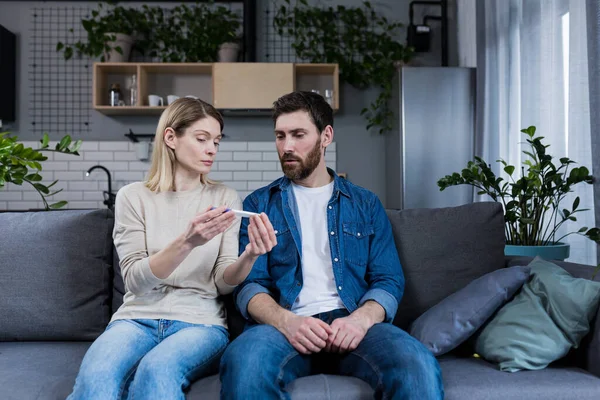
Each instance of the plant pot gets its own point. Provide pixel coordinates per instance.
(558, 251)
(123, 41)
(228, 52)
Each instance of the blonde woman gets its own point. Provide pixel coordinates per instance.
(177, 254)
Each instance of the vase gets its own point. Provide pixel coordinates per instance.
(125, 42)
(557, 251)
(228, 52)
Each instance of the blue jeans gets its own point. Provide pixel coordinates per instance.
(261, 362)
(148, 359)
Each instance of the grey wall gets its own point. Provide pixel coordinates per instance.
(360, 153)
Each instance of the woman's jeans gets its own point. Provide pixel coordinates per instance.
(149, 359)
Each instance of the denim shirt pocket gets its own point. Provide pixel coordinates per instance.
(285, 249)
(357, 237)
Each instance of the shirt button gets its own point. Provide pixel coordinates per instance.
(297, 283)
(330, 207)
(332, 233)
(335, 259)
(358, 234)
(276, 232)
(339, 288)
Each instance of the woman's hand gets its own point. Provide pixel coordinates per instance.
(261, 235)
(207, 225)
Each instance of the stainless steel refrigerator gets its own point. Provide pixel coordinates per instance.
(433, 136)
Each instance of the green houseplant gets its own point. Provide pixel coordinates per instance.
(189, 33)
(20, 164)
(362, 42)
(532, 202)
(110, 34)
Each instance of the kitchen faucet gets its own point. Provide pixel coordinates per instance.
(109, 196)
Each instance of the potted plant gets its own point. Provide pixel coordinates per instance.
(360, 40)
(195, 33)
(224, 27)
(532, 202)
(20, 164)
(110, 34)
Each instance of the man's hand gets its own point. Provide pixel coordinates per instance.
(349, 331)
(307, 334)
(347, 334)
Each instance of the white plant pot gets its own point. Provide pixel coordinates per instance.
(123, 41)
(228, 52)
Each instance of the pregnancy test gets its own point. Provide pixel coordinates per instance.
(240, 213)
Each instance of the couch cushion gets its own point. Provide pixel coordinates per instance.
(315, 387)
(549, 316)
(55, 274)
(444, 249)
(117, 281)
(39, 370)
(449, 323)
(475, 379)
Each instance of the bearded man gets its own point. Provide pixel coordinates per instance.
(324, 298)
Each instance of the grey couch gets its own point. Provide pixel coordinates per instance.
(60, 283)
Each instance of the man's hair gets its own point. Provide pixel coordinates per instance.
(314, 104)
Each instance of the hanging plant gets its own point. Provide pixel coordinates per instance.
(358, 39)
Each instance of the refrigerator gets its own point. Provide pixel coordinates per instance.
(433, 136)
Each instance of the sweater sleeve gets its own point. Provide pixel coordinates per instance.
(228, 250)
(129, 236)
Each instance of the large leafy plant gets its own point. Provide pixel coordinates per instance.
(101, 28)
(189, 33)
(532, 201)
(184, 33)
(361, 41)
(20, 164)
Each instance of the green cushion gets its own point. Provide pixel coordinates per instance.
(548, 317)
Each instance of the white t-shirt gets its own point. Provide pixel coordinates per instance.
(318, 293)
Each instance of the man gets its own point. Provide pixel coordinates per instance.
(330, 287)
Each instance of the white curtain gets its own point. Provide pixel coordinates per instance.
(533, 70)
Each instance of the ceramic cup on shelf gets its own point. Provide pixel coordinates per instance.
(171, 98)
(155, 100)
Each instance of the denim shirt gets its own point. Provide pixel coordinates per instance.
(365, 261)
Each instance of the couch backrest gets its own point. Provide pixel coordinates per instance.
(442, 250)
(55, 274)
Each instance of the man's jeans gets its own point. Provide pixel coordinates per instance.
(261, 362)
(148, 359)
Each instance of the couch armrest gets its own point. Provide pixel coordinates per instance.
(590, 345)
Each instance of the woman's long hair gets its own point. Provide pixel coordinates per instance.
(178, 116)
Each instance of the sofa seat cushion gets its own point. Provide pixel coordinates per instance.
(314, 387)
(476, 379)
(39, 370)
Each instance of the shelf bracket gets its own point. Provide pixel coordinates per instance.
(135, 136)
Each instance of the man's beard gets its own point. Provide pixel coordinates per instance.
(303, 168)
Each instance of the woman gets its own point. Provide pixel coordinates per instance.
(178, 250)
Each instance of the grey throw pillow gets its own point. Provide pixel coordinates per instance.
(449, 323)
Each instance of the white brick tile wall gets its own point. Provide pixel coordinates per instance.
(98, 156)
(247, 176)
(231, 166)
(245, 166)
(261, 146)
(113, 146)
(247, 156)
(263, 166)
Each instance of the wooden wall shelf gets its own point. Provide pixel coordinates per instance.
(228, 86)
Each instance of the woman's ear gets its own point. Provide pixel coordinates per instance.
(170, 138)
